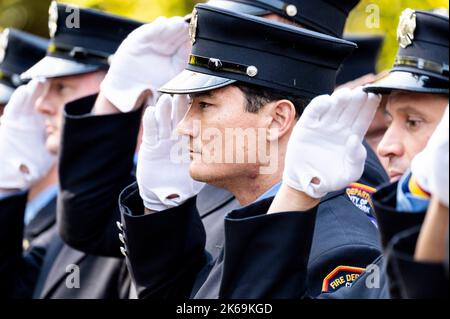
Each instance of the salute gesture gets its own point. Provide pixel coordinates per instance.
(325, 152)
(164, 181)
(24, 157)
(148, 58)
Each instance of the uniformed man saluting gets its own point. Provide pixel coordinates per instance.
(417, 97)
(74, 66)
(146, 60)
(248, 73)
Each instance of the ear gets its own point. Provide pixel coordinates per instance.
(281, 119)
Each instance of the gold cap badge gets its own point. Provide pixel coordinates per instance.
(3, 44)
(406, 28)
(53, 19)
(193, 26)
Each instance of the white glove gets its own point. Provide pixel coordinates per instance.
(24, 157)
(148, 58)
(325, 152)
(163, 163)
(431, 166)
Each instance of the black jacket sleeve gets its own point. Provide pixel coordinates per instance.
(165, 250)
(19, 270)
(266, 256)
(269, 256)
(390, 221)
(96, 163)
(399, 232)
(416, 280)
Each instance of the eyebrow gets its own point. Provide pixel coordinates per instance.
(405, 109)
(209, 94)
(410, 109)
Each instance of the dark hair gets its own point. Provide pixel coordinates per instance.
(258, 96)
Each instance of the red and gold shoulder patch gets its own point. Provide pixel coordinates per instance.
(361, 196)
(341, 276)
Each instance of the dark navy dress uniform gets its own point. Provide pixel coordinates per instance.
(286, 255)
(40, 271)
(94, 230)
(89, 225)
(421, 66)
(18, 52)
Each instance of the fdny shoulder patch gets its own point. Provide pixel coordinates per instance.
(360, 195)
(341, 276)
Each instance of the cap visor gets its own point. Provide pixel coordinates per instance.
(410, 82)
(238, 7)
(5, 93)
(188, 82)
(53, 67)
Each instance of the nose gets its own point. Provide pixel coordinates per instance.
(190, 124)
(391, 144)
(46, 104)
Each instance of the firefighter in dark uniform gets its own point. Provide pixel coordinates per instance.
(95, 230)
(244, 72)
(18, 52)
(417, 92)
(82, 41)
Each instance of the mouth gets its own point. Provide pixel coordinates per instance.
(394, 175)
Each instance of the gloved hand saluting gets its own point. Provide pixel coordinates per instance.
(24, 158)
(325, 152)
(163, 163)
(430, 167)
(149, 57)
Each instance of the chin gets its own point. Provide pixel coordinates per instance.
(53, 144)
(200, 172)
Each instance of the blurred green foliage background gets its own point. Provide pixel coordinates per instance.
(31, 15)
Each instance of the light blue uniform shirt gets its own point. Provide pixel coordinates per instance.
(39, 202)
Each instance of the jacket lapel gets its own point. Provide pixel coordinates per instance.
(44, 219)
(57, 270)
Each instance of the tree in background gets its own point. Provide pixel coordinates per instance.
(31, 15)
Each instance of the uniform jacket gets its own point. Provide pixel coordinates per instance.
(399, 231)
(287, 255)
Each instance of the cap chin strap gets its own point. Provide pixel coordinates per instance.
(79, 53)
(214, 64)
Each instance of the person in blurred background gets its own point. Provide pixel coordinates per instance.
(417, 97)
(18, 52)
(75, 64)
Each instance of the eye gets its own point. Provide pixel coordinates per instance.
(414, 123)
(60, 88)
(204, 105)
